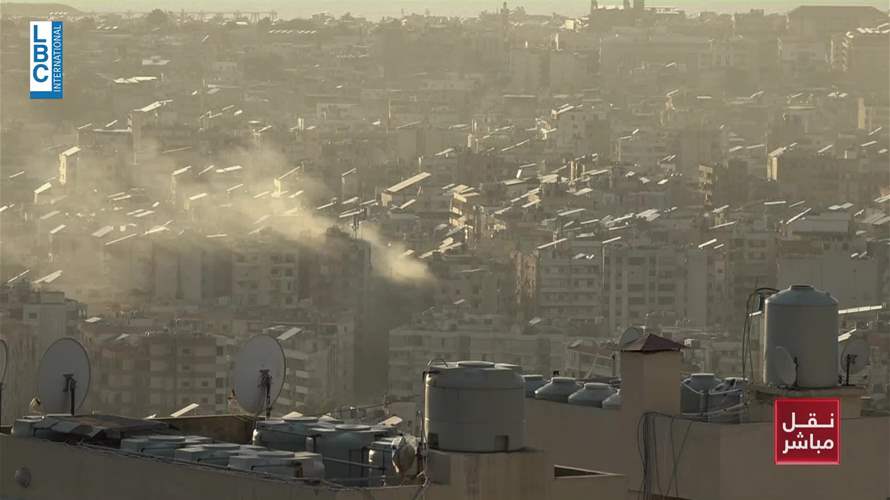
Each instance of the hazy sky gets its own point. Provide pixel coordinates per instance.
(378, 8)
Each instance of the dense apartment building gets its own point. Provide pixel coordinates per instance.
(158, 372)
(450, 333)
(320, 363)
(265, 272)
(562, 281)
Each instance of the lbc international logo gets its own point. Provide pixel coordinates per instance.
(46, 59)
(808, 431)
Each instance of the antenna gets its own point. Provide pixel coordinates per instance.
(784, 365)
(4, 358)
(63, 379)
(854, 356)
(259, 374)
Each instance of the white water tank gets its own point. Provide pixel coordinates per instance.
(613, 402)
(592, 394)
(804, 322)
(558, 389)
(474, 406)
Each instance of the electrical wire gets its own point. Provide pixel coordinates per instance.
(647, 450)
(423, 487)
(747, 356)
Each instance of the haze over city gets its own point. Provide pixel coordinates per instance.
(444, 250)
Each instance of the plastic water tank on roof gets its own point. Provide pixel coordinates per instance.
(558, 389)
(803, 322)
(613, 402)
(592, 394)
(345, 449)
(694, 390)
(474, 406)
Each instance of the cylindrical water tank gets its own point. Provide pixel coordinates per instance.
(804, 322)
(310, 464)
(271, 433)
(592, 394)
(163, 445)
(344, 450)
(281, 463)
(694, 392)
(532, 383)
(380, 458)
(613, 402)
(474, 406)
(558, 389)
(25, 426)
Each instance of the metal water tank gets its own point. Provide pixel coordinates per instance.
(558, 389)
(474, 406)
(592, 394)
(804, 322)
(532, 383)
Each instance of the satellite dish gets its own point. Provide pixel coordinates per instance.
(631, 335)
(784, 366)
(853, 357)
(259, 374)
(63, 379)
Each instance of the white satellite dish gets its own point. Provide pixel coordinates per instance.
(63, 379)
(784, 366)
(853, 357)
(259, 374)
(631, 335)
(4, 358)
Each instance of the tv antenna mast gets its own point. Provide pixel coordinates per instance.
(63, 379)
(259, 374)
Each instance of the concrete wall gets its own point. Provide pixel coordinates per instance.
(60, 471)
(523, 475)
(862, 473)
(718, 461)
